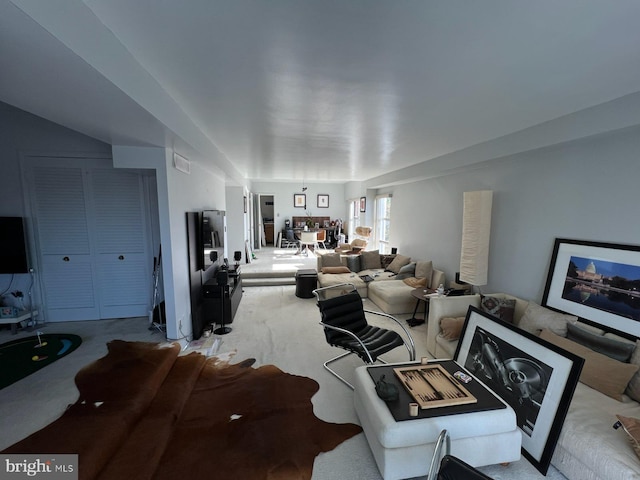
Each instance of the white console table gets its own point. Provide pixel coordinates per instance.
(14, 321)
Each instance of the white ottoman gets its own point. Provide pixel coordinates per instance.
(404, 449)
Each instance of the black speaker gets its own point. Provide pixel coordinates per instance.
(394, 250)
(222, 276)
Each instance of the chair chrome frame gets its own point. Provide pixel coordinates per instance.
(408, 342)
(442, 461)
(442, 443)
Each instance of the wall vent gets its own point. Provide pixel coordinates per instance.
(181, 163)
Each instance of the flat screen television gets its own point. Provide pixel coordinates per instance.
(213, 228)
(13, 246)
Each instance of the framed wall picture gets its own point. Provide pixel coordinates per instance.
(598, 282)
(363, 204)
(299, 200)
(323, 201)
(535, 377)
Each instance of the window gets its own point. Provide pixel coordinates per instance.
(354, 218)
(383, 222)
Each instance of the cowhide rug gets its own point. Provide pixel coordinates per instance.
(146, 413)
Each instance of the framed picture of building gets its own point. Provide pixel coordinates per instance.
(598, 282)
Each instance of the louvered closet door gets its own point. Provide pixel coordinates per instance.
(120, 243)
(67, 271)
(92, 236)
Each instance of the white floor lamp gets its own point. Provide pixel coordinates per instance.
(476, 230)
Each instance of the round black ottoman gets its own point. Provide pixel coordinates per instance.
(306, 283)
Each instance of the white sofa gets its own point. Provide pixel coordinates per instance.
(391, 295)
(588, 447)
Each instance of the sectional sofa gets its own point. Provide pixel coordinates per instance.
(588, 447)
(391, 277)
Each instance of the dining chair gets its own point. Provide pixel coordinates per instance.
(321, 238)
(307, 240)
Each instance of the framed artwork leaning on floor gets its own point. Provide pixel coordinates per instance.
(536, 378)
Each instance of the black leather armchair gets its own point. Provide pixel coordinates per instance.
(346, 327)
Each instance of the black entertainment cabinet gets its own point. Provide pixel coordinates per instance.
(221, 300)
(214, 290)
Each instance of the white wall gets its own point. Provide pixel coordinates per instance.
(202, 189)
(235, 221)
(584, 190)
(283, 200)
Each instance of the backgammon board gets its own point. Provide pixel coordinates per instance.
(432, 386)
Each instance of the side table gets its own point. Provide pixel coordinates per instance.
(14, 321)
(306, 282)
(421, 295)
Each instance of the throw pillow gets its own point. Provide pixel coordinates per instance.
(331, 260)
(451, 327)
(370, 260)
(536, 318)
(386, 260)
(633, 389)
(424, 269)
(335, 270)
(501, 308)
(600, 372)
(631, 427)
(353, 262)
(591, 328)
(615, 349)
(415, 282)
(407, 271)
(399, 262)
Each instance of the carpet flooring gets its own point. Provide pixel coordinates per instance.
(274, 327)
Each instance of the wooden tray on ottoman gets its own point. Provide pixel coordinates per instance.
(432, 386)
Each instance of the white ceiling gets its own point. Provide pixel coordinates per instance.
(314, 90)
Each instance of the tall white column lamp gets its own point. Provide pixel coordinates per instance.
(476, 230)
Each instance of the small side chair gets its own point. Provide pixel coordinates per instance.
(345, 326)
(289, 239)
(445, 466)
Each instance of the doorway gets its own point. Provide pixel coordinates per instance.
(266, 219)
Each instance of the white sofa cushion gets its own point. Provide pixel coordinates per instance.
(331, 279)
(424, 269)
(588, 448)
(536, 318)
(399, 262)
(392, 296)
(370, 260)
(330, 260)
